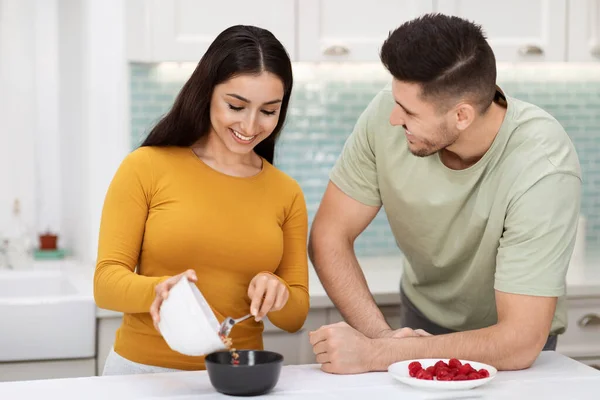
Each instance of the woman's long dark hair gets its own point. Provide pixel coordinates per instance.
(238, 50)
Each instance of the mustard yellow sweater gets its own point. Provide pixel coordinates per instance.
(167, 211)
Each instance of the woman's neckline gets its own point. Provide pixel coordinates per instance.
(216, 171)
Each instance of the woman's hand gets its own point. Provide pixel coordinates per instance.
(162, 292)
(271, 289)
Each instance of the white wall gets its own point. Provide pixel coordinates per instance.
(47, 131)
(17, 110)
(74, 140)
(93, 113)
(63, 113)
(106, 115)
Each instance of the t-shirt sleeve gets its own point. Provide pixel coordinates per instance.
(355, 171)
(539, 237)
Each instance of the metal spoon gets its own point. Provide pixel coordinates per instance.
(229, 322)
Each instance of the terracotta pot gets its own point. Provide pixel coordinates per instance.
(48, 241)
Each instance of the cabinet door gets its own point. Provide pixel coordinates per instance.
(138, 30)
(533, 30)
(55, 369)
(107, 330)
(182, 30)
(584, 30)
(341, 30)
(295, 347)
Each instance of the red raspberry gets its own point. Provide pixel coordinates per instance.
(414, 366)
(484, 373)
(431, 370)
(473, 376)
(447, 377)
(427, 376)
(440, 364)
(454, 363)
(420, 374)
(466, 369)
(443, 372)
(460, 377)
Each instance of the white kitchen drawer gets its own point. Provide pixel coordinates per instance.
(582, 338)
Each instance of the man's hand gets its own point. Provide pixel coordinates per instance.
(341, 349)
(402, 333)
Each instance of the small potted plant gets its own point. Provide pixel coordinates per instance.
(48, 241)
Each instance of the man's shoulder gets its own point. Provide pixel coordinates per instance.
(540, 139)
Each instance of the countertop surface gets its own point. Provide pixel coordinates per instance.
(553, 376)
(383, 277)
(382, 274)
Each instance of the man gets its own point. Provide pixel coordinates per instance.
(482, 193)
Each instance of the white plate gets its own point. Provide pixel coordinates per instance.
(399, 371)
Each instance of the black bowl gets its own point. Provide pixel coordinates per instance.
(256, 374)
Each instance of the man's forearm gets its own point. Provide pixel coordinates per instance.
(498, 346)
(343, 280)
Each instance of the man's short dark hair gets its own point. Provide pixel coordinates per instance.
(448, 56)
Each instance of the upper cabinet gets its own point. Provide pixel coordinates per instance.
(584, 31)
(342, 30)
(182, 30)
(517, 30)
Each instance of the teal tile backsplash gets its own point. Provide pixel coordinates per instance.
(328, 98)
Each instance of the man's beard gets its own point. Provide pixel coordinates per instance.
(446, 139)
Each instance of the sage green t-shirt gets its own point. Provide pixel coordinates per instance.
(506, 223)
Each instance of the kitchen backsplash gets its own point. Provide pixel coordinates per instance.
(328, 98)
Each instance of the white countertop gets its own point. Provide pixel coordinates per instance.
(383, 276)
(553, 376)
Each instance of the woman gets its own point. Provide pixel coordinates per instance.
(201, 200)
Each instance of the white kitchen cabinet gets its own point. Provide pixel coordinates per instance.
(582, 338)
(584, 30)
(581, 341)
(533, 30)
(182, 30)
(35, 370)
(295, 347)
(341, 30)
(107, 328)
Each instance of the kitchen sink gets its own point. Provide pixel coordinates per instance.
(45, 315)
